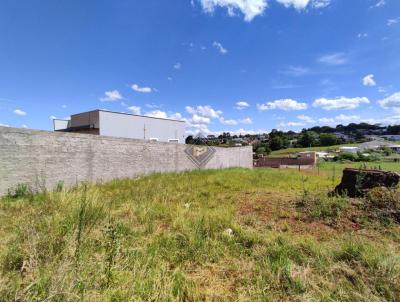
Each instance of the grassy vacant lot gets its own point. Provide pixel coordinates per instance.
(332, 167)
(288, 151)
(231, 235)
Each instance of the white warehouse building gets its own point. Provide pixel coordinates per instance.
(117, 124)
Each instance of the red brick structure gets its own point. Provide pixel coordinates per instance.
(304, 160)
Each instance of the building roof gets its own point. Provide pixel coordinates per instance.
(124, 113)
(374, 144)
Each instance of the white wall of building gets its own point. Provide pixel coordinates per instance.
(60, 124)
(140, 127)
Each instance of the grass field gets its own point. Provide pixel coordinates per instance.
(338, 166)
(289, 151)
(228, 235)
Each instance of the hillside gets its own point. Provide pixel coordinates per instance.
(228, 235)
(288, 151)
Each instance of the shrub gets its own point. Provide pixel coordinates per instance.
(346, 157)
(21, 190)
(384, 204)
(320, 206)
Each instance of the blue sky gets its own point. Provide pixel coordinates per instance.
(222, 65)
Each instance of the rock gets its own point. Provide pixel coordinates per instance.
(228, 232)
(357, 182)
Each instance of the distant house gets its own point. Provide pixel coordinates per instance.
(108, 123)
(324, 155)
(394, 137)
(342, 136)
(395, 148)
(349, 149)
(238, 140)
(375, 145)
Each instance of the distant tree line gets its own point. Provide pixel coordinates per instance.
(311, 137)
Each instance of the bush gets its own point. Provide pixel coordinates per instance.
(384, 204)
(346, 157)
(320, 206)
(359, 157)
(21, 190)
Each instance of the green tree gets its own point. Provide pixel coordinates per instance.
(308, 139)
(277, 142)
(189, 140)
(327, 139)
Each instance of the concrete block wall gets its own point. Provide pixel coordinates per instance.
(43, 159)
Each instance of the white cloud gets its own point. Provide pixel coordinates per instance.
(154, 106)
(135, 110)
(196, 119)
(369, 80)
(327, 121)
(24, 126)
(306, 119)
(19, 112)
(227, 122)
(380, 3)
(392, 101)
(391, 120)
(4, 125)
(206, 111)
(362, 35)
(302, 4)
(295, 71)
(246, 120)
(340, 103)
(347, 118)
(177, 66)
(291, 124)
(63, 106)
(320, 3)
(297, 4)
(195, 129)
(52, 117)
(284, 104)
(334, 59)
(164, 115)
(249, 8)
(201, 117)
(391, 22)
(242, 105)
(253, 8)
(340, 119)
(176, 116)
(137, 88)
(220, 48)
(232, 122)
(111, 96)
(303, 121)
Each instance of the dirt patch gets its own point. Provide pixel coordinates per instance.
(278, 212)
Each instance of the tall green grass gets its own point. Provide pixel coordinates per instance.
(198, 236)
